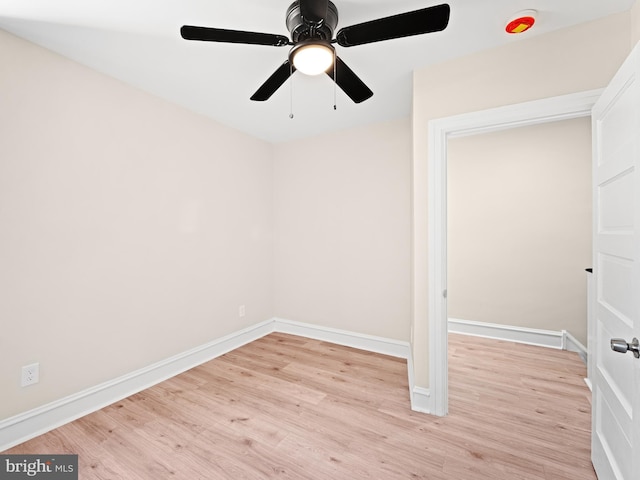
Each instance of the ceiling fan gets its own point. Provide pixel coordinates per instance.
(311, 24)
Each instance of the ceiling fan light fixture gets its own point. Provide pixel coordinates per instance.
(312, 58)
(311, 24)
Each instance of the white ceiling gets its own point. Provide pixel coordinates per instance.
(138, 41)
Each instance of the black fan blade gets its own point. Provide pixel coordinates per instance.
(314, 11)
(427, 20)
(207, 34)
(349, 82)
(274, 82)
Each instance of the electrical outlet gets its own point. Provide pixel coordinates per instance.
(30, 374)
(241, 311)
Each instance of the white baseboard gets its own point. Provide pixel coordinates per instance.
(27, 425)
(561, 340)
(421, 400)
(530, 336)
(420, 397)
(572, 344)
(385, 346)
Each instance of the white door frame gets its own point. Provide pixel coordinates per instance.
(553, 109)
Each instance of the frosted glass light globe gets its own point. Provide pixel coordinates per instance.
(313, 59)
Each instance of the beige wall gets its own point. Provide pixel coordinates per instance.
(571, 60)
(635, 24)
(131, 229)
(342, 252)
(519, 226)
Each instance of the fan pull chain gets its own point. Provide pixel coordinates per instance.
(291, 91)
(335, 82)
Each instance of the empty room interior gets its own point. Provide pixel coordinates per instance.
(196, 284)
(513, 256)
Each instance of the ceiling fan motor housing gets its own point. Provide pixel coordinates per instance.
(301, 30)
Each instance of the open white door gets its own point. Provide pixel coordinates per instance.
(616, 269)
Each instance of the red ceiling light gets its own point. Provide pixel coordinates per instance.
(521, 22)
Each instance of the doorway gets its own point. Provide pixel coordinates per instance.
(519, 220)
(440, 131)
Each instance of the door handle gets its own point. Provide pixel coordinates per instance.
(621, 346)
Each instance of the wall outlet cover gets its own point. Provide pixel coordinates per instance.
(30, 374)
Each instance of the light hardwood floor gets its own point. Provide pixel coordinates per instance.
(290, 407)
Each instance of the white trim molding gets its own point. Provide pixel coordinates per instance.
(553, 109)
(385, 346)
(530, 336)
(558, 339)
(27, 425)
(572, 344)
(420, 397)
(421, 400)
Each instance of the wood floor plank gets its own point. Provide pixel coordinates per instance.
(289, 407)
